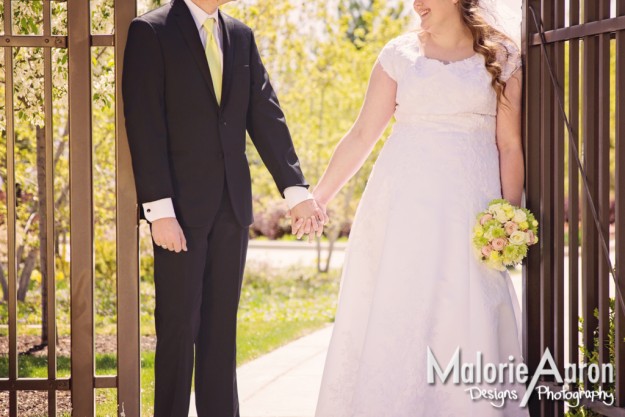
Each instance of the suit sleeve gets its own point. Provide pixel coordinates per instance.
(267, 127)
(144, 110)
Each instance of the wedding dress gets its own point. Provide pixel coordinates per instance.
(410, 279)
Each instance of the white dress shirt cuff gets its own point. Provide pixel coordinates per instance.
(158, 209)
(296, 194)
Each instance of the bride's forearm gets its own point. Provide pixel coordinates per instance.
(512, 175)
(349, 155)
(356, 145)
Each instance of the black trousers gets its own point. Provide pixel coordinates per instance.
(197, 297)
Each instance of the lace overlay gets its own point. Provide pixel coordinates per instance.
(410, 279)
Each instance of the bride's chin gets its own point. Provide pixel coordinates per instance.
(423, 22)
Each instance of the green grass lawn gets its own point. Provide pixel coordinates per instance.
(277, 306)
(254, 341)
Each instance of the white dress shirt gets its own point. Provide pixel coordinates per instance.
(158, 209)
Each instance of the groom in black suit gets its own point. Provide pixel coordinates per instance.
(193, 83)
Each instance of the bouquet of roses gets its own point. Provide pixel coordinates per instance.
(503, 234)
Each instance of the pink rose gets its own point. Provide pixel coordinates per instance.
(531, 239)
(486, 250)
(499, 243)
(486, 218)
(511, 227)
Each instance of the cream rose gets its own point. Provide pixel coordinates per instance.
(517, 238)
(494, 207)
(519, 216)
(501, 215)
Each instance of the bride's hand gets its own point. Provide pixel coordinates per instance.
(323, 204)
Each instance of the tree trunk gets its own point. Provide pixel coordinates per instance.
(22, 287)
(5, 286)
(333, 235)
(27, 272)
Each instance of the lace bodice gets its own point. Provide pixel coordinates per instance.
(427, 86)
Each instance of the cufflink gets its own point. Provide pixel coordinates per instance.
(149, 210)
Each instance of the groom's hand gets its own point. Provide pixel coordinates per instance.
(168, 234)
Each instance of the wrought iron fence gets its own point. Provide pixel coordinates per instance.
(584, 43)
(79, 42)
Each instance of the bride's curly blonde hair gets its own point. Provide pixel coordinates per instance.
(487, 41)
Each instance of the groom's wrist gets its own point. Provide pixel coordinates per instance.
(296, 194)
(158, 209)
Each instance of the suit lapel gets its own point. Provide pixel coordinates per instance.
(228, 51)
(186, 24)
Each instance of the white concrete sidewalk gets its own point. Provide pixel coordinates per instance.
(285, 382)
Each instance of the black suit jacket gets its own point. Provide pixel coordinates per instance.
(182, 142)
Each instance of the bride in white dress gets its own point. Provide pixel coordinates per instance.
(410, 279)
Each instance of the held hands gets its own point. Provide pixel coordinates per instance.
(308, 217)
(167, 233)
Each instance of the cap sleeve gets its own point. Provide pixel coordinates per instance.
(393, 57)
(509, 59)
